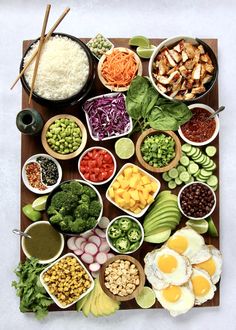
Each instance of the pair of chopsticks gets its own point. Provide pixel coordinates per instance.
(37, 51)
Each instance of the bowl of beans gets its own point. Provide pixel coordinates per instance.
(64, 136)
(199, 131)
(196, 200)
(158, 151)
(41, 173)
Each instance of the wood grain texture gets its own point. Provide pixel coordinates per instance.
(32, 144)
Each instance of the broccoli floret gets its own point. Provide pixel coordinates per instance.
(90, 192)
(91, 222)
(65, 224)
(95, 208)
(56, 218)
(82, 211)
(84, 199)
(74, 187)
(64, 201)
(51, 210)
(78, 226)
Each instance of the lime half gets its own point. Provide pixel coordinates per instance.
(201, 226)
(39, 203)
(124, 148)
(146, 298)
(139, 41)
(144, 52)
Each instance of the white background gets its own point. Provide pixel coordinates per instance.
(118, 18)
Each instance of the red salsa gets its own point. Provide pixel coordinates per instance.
(198, 129)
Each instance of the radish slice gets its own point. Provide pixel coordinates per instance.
(104, 247)
(71, 243)
(94, 267)
(78, 252)
(87, 258)
(91, 248)
(82, 246)
(101, 258)
(79, 241)
(95, 274)
(104, 222)
(100, 233)
(95, 239)
(88, 234)
(110, 255)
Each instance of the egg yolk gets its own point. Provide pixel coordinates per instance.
(172, 293)
(178, 243)
(209, 266)
(167, 263)
(201, 285)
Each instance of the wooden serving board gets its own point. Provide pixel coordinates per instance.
(31, 145)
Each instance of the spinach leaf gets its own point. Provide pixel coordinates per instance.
(159, 119)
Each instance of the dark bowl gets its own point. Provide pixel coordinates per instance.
(74, 99)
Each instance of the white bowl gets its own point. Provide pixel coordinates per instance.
(210, 110)
(179, 205)
(139, 215)
(52, 296)
(95, 138)
(114, 162)
(29, 255)
(49, 188)
(111, 223)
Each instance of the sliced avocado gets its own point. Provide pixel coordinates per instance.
(158, 238)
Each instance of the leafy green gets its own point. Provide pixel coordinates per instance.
(147, 108)
(33, 296)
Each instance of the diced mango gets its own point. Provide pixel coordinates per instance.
(126, 196)
(120, 201)
(135, 169)
(137, 210)
(111, 193)
(148, 187)
(134, 194)
(131, 202)
(154, 186)
(120, 191)
(124, 184)
(128, 172)
(145, 194)
(133, 181)
(145, 179)
(116, 185)
(120, 178)
(150, 199)
(142, 199)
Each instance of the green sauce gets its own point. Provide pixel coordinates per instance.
(45, 241)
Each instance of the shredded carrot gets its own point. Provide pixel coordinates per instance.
(119, 68)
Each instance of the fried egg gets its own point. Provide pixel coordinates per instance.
(213, 265)
(176, 299)
(190, 244)
(202, 286)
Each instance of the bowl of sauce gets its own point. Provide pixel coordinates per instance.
(198, 131)
(45, 243)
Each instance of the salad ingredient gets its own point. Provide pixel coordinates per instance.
(75, 208)
(67, 280)
(107, 116)
(146, 298)
(71, 243)
(33, 174)
(49, 169)
(91, 248)
(64, 136)
(33, 297)
(97, 165)
(100, 233)
(39, 203)
(122, 244)
(101, 258)
(145, 52)
(160, 236)
(99, 45)
(139, 41)
(104, 222)
(87, 258)
(212, 230)
(211, 151)
(147, 108)
(200, 226)
(158, 150)
(124, 148)
(95, 240)
(30, 213)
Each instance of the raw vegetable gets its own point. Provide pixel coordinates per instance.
(99, 45)
(30, 213)
(211, 151)
(122, 244)
(148, 108)
(107, 116)
(104, 222)
(33, 297)
(212, 230)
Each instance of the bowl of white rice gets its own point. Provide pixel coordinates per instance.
(65, 73)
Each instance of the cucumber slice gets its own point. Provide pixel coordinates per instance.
(201, 159)
(192, 151)
(181, 168)
(215, 187)
(190, 180)
(200, 180)
(212, 228)
(184, 160)
(166, 177)
(184, 176)
(178, 181)
(210, 168)
(211, 151)
(196, 174)
(212, 181)
(193, 168)
(172, 184)
(197, 154)
(186, 147)
(207, 161)
(205, 174)
(173, 173)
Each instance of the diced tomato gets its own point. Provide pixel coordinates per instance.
(87, 176)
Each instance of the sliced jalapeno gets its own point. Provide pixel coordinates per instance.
(114, 231)
(134, 235)
(134, 246)
(122, 244)
(125, 223)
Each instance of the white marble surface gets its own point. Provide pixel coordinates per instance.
(119, 18)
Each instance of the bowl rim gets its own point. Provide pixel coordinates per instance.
(102, 59)
(194, 40)
(174, 161)
(73, 99)
(192, 183)
(214, 135)
(42, 262)
(55, 262)
(139, 215)
(56, 154)
(114, 162)
(119, 217)
(94, 138)
(26, 181)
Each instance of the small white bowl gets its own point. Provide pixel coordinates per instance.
(139, 215)
(114, 162)
(52, 296)
(32, 159)
(111, 223)
(95, 138)
(210, 110)
(179, 205)
(43, 262)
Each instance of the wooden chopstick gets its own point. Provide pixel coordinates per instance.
(53, 28)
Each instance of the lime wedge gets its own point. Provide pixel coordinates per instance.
(146, 298)
(124, 148)
(200, 226)
(144, 52)
(212, 228)
(39, 203)
(139, 41)
(30, 213)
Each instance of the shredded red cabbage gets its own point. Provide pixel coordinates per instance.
(107, 116)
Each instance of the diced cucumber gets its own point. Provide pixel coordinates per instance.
(212, 181)
(211, 151)
(166, 177)
(193, 168)
(181, 168)
(184, 176)
(172, 184)
(178, 181)
(184, 160)
(173, 173)
(186, 147)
